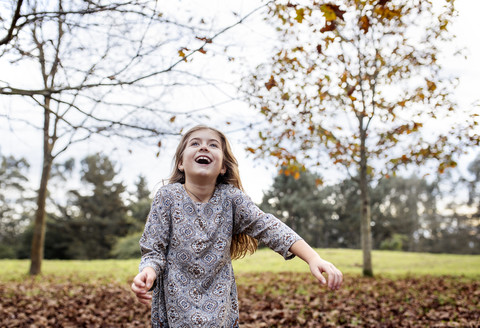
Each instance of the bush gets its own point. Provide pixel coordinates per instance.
(127, 247)
(7, 252)
(394, 243)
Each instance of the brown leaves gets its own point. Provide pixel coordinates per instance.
(296, 300)
(364, 24)
(329, 26)
(271, 83)
(67, 305)
(331, 11)
(266, 300)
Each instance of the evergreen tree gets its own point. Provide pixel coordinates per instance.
(14, 205)
(140, 206)
(102, 214)
(401, 208)
(296, 200)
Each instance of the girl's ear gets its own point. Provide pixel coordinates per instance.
(180, 167)
(223, 170)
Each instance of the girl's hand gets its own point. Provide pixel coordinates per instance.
(142, 284)
(318, 266)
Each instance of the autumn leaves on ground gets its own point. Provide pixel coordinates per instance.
(267, 299)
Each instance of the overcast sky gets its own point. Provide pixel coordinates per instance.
(256, 176)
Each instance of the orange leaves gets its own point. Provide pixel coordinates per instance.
(387, 13)
(205, 39)
(251, 150)
(290, 172)
(364, 24)
(444, 165)
(329, 26)
(300, 15)
(431, 85)
(331, 12)
(271, 83)
(181, 52)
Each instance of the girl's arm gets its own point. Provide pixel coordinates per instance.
(153, 245)
(318, 265)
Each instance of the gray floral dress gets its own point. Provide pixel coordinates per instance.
(188, 245)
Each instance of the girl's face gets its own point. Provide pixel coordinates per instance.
(203, 156)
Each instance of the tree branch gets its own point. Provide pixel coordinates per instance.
(15, 18)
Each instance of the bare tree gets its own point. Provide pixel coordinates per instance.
(90, 68)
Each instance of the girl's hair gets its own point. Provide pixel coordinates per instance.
(241, 243)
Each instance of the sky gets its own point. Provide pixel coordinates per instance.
(257, 176)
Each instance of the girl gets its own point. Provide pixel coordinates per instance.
(198, 223)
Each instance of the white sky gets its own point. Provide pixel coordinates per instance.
(256, 176)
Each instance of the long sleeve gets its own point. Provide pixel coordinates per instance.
(156, 236)
(251, 220)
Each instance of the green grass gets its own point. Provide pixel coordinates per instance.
(384, 262)
(347, 260)
(76, 271)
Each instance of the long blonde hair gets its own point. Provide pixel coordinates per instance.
(242, 244)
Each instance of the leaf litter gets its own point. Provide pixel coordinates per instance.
(266, 300)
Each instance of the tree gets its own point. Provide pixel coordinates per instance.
(474, 186)
(13, 203)
(98, 69)
(298, 203)
(10, 28)
(359, 84)
(139, 207)
(102, 214)
(401, 209)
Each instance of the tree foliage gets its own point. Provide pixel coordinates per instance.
(358, 84)
(14, 203)
(406, 215)
(102, 214)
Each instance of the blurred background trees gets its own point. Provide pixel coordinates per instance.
(408, 214)
(102, 219)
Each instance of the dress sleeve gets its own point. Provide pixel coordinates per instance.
(156, 236)
(266, 228)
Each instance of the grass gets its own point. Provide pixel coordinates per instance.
(347, 260)
(76, 271)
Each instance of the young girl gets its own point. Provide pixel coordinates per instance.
(198, 223)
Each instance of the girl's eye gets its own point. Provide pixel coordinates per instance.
(194, 143)
(214, 145)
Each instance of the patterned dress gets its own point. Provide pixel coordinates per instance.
(188, 245)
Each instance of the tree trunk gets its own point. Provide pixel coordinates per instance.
(366, 231)
(38, 239)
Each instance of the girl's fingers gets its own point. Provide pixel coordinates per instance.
(144, 296)
(137, 289)
(337, 279)
(139, 280)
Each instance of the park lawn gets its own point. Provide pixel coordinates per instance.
(385, 263)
